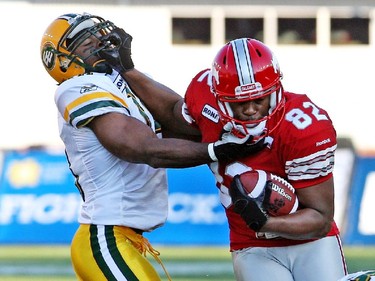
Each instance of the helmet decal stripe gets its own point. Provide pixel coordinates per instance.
(243, 61)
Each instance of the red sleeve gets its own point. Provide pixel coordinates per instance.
(197, 87)
(201, 107)
(310, 142)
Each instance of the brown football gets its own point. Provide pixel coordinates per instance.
(282, 199)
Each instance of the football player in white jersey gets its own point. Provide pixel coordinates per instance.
(115, 150)
(243, 89)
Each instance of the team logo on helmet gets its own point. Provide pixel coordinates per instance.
(253, 90)
(48, 56)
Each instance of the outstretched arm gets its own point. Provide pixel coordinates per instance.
(164, 104)
(131, 140)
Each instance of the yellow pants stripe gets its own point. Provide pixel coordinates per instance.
(111, 247)
(113, 253)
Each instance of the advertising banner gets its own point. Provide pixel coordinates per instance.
(38, 199)
(196, 216)
(360, 224)
(39, 202)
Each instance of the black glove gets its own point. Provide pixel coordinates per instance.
(250, 209)
(117, 50)
(231, 147)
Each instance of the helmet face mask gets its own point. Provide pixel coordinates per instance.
(245, 70)
(63, 37)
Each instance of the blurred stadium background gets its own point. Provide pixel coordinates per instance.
(326, 51)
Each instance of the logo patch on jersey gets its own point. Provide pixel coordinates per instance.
(120, 83)
(86, 89)
(319, 143)
(211, 113)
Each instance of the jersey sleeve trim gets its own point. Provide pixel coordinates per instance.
(85, 104)
(312, 166)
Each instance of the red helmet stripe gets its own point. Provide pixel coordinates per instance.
(243, 61)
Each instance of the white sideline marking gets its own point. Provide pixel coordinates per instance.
(174, 268)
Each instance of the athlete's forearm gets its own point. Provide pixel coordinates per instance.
(158, 98)
(304, 224)
(163, 103)
(175, 153)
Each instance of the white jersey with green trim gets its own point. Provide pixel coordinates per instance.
(115, 192)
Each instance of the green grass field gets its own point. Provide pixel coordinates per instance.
(52, 263)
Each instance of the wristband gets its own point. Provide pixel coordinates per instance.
(211, 152)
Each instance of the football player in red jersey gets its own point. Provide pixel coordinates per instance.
(243, 90)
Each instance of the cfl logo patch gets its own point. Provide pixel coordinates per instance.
(48, 56)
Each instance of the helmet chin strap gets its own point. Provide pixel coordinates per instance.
(255, 130)
(100, 66)
(275, 98)
(258, 129)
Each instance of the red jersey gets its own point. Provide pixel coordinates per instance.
(300, 149)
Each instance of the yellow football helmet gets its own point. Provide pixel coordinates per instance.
(61, 39)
